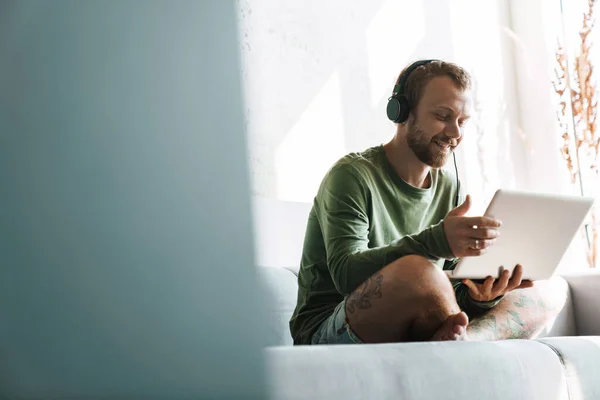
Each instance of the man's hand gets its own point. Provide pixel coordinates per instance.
(469, 236)
(492, 288)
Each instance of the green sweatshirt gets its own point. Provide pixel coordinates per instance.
(364, 217)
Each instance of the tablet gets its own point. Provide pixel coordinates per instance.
(536, 231)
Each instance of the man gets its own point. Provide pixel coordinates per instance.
(386, 221)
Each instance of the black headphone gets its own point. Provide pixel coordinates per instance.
(398, 109)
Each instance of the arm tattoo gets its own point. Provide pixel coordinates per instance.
(365, 293)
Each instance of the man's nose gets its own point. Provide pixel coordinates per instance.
(453, 131)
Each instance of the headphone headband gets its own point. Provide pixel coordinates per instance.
(401, 86)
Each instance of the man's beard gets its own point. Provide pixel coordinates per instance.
(426, 150)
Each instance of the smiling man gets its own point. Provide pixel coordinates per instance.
(386, 222)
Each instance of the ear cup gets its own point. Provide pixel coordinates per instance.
(404, 109)
(397, 109)
(393, 108)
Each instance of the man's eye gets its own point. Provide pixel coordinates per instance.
(442, 117)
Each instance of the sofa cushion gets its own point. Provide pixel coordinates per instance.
(281, 287)
(515, 369)
(584, 288)
(579, 356)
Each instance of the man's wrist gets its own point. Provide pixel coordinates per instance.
(484, 305)
(441, 241)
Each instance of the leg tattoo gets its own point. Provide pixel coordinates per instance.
(522, 314)
(485, 326)
(365, 293)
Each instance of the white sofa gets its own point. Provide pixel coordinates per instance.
(564, 363)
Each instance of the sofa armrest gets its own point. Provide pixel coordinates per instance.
(585, 290)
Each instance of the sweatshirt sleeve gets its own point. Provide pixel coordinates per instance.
(342, 213)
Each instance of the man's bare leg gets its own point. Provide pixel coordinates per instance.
(522, 313)
(409, 300)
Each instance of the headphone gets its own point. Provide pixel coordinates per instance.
(398, 109)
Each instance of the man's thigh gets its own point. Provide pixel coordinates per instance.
(335, 329)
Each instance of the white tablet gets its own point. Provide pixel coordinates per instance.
(536, 231)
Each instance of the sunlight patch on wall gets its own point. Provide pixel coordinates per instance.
(311, 147)
(390, 43)
(486, 149)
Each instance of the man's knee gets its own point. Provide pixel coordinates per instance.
(420, 273)
(431, 298)
(554, 293)
(428, 284)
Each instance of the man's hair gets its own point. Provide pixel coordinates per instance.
(420, 77)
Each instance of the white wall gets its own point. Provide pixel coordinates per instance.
(317, 76)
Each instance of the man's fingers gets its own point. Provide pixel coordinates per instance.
(525, 285)
(488, 284)
(473, 247)
(482, 222)
(516, 278)
(481, 243)
(483, 233)
(472, 285)
(502, 282)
